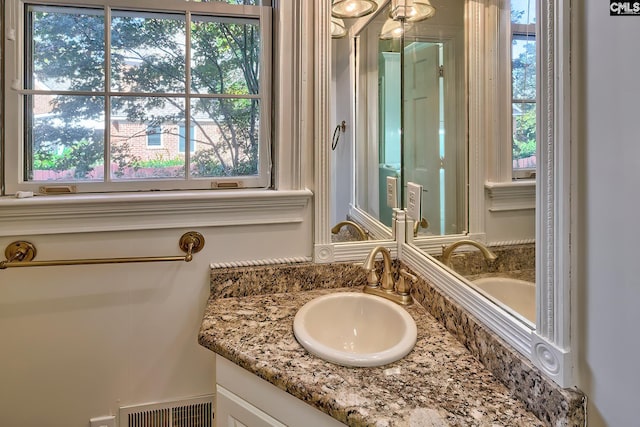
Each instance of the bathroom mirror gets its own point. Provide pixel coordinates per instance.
(354, 145)
(502, 159)
(385, 136)
(410, 122)
(419, 137)
(547, 343)
(521, 215)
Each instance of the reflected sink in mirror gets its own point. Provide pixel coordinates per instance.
(519, 295)
(355, 329)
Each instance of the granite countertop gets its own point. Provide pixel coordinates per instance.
(439, 383)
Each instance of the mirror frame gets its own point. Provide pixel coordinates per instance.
(324, 249)
(548, 346)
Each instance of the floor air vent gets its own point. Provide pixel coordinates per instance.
(196, 412)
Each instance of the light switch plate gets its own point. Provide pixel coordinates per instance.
(414, 196)
(392, 191)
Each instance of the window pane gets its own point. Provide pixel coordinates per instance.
(524, 135)
(147, 52)
(227, 137)
(123, 117)
(154, 136)
(67, 49)
(63, 141)
(225, 56)
(523, 83)
(182, 135)
(131, 157)
(523, 11)
(523, 67)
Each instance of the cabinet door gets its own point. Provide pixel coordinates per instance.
(232, 411)
(239, 389)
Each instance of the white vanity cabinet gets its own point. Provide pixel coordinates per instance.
(243, 399)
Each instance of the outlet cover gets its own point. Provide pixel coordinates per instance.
(392, 191)
(414, 200)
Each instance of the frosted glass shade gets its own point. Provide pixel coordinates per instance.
(338, 29)
(352, 8)
(411, 10)
(421, 10)
(391, 30)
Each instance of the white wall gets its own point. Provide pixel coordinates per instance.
(342, 157)
(608, 288)
(80, 341)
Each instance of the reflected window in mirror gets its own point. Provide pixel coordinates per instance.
(523, 87)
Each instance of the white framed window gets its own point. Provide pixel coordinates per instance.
(523, 87)
(512, 145)
(154, 137)
(87, 79)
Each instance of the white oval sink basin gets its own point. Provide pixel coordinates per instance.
(518, 294)
(355, 329)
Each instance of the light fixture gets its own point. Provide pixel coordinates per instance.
(411, 10)
(391, 29)
(352, 8)
(338, 29)
(422, 9)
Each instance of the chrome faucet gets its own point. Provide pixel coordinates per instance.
(400, 292)
(447, 251)
(362, 234)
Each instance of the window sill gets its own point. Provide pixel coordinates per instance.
(145, 211)
(511, 196)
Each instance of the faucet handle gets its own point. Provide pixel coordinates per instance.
(402, 287)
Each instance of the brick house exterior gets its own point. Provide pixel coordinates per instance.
(166, 142)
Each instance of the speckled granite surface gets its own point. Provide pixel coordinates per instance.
(249, 318)
(438, 377)
(271, 279)
(554, 405)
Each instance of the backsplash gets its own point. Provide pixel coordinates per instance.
(279, 278)
(517, 261)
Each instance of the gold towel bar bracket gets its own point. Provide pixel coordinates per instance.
(21, 253)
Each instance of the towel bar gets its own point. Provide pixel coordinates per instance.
(21, 253)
